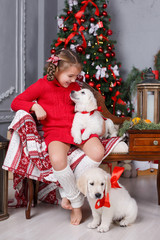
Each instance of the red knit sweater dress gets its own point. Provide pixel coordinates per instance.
(56, 101)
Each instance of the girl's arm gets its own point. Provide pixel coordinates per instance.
(39, 111)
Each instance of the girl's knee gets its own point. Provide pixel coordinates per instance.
(58, 162)
(98, 153)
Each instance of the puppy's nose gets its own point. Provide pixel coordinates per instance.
(98, 195)
(72, 92)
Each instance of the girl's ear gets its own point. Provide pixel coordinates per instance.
(82, 184)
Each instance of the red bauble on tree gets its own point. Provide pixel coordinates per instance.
(112, 54)
(104, 13)
(53, 51)
(109, 47)
(91, 83)
(109, 32)
(107, 54)
(100, 50)
(92, 19)
(79, 49)
(110, 89)
(69, 12)
(87, 76)
(65, 29)
(118, 83)
(104, 5)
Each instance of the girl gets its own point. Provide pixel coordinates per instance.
(55, 110)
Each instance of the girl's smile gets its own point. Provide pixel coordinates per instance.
(67, 76)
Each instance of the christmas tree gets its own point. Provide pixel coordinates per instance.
(84, 27)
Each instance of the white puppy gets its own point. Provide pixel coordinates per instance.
(88, 117)
(94, 183)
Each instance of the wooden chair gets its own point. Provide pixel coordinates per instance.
(145, 151)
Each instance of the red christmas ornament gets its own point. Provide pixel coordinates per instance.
(120, 79)
(94, 75)
(75, 25)
(87, 76)
(109, 32)
(112, 54)
(104, 13)
(110, 89)
(65, 29)
(107, 54)
(91, 83)
(82, 20)
(100, 50)
(85, 62)
(92, 19)
(72, 41)
(104, 5)
(96, 57)
(69, 12)
(109, 47)
(53, 51)
(118, 83)
(79, 49)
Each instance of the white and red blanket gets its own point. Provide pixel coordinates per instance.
(27, 158)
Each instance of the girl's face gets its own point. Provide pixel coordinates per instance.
(67, 76)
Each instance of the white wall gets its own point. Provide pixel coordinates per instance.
(135, 26)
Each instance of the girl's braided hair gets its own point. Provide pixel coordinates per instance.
(67, 58)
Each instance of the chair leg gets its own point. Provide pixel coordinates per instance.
(36, 187)
(158, 183)
(29, 204)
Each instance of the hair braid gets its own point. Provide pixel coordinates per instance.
(67, 58)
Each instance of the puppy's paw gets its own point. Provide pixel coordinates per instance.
(85, 136)
(103, 228)
(77, 140)
(93, 225)
(123, 223)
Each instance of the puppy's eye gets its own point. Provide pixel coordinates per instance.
(92, 183)
(83, 92)
(102, 184)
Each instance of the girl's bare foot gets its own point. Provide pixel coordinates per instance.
(66, 204)
(76, 216)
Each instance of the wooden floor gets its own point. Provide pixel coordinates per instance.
(50, 222)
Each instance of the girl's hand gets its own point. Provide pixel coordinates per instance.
(39, 111)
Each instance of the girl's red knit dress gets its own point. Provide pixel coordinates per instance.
(56, 101)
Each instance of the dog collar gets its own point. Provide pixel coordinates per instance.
(104, 202)
(99, 109)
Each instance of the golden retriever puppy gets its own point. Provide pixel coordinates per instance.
(107, 203)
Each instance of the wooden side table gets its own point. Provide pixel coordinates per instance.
(144, 145)
(3, 181)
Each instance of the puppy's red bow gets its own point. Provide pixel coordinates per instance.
(104, 202)
(98, 109)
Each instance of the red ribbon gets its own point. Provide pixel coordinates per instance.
(90, 113)
(79, 14)
(104, 202)
(59, 41)
(115, 100)
(98, 88)
(109, 68)
(76, 33)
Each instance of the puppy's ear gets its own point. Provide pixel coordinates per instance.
(108, 182)
(82, 184)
